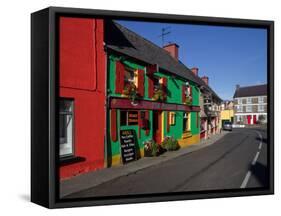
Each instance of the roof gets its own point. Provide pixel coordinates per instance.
(122, 40)
(248, 91)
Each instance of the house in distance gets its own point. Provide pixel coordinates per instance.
(250, 104)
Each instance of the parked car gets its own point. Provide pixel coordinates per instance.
(227, 125)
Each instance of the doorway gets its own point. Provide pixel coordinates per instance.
(249, 117)
(157, 126)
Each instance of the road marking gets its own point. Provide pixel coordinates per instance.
(249, 173)
(246, 179)
(260, 145)
(255, 159)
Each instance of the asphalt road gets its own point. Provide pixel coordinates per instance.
(238, 160)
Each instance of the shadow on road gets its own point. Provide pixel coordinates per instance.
(260, 172)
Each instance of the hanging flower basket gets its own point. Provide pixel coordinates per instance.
(159, 95)
(130, 91)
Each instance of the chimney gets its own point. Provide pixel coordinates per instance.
(195, 71)
(237, 86)
(205, 79)
(173, 49)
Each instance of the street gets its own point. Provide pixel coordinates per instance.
(238, 160)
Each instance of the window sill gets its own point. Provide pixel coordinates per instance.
(70, 160)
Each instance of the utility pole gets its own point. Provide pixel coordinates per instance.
(164, 31)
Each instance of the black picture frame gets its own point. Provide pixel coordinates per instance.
(44, 89)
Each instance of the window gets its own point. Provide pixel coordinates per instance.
(123, 118)
(157, 83)
(186, 122)
(172, 118)
(239, 109)
(261, 99)
(128, 118)
(249, 100)
(239, 100)
(66, 116)
(130, 77)
(248, 108)
(261, 108)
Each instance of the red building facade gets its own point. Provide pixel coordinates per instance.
(82, 66)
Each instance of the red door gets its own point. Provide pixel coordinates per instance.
(255, 119)
(249, 119)
(157, 125)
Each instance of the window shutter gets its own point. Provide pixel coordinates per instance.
(152, 69)
(148, 122)
(168, 121)
(119, 80)
(150, 87)
(113, 125)
(183, 93)
(141, 82)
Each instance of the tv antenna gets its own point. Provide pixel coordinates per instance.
(164, 31)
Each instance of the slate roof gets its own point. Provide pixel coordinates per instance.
(248, 91)
(122, 40)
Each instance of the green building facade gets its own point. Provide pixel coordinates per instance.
(174, 112)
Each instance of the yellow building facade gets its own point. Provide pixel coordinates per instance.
(227, 115)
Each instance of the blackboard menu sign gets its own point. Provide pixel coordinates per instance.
(128, 146)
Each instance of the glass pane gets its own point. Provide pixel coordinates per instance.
(66, 127)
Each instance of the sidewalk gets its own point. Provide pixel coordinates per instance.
(98, 177)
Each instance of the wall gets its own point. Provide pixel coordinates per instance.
(82, 78)
(174, 95)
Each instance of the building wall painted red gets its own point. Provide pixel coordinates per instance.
(82, 77)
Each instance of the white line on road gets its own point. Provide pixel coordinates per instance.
(260, 145)
(246, 179)
(248, 175)
(255, 159)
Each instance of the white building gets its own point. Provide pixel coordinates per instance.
(250, 104)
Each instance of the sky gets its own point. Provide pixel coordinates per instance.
(227, 55)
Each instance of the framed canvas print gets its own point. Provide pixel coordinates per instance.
(138, 107)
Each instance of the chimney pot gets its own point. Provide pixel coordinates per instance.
(205, 79)
(173, 49)
(195, 71)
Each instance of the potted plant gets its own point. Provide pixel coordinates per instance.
(170, 143)
(152, 149)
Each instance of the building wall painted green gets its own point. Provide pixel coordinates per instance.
(176, 129)
(174, 95)
(195, 126)
(174, 84)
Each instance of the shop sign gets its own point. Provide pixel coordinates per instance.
(133, 117)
